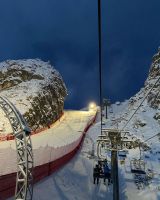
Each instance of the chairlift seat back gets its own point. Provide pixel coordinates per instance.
(122, 155)
(138, 171)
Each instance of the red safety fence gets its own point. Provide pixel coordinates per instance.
(9, 136)
(7, 182)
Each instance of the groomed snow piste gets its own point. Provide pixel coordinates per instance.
(50, 144)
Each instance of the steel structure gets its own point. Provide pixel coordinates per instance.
(111, 140)
(21, 132)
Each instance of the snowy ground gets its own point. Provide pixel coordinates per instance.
(5, 127)
(51, 144)
(75, 182)
(151, 157)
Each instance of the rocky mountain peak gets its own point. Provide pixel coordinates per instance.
(154, 77)
(35, 87)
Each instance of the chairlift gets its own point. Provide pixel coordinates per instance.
(102, 145)
(111, 110)
(122, 154)
(100, 164)
(137, 166)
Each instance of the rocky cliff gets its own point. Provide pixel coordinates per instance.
(151, 86)
(140, 116)
(35, 88)
(143, 108)
(154, 75)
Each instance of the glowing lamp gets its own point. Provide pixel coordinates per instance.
(92, 106)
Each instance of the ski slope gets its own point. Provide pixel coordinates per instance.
(51, 144)
(74, 181)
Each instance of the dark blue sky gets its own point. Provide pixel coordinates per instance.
(65, 32)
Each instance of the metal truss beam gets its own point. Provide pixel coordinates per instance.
(21, 132)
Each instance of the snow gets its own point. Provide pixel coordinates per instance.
(149, 128)
(61, 138)
(21, 94)
(5, 126)
(75, 181)
(31, 65)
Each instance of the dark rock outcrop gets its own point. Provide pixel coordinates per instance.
(154, 76)
(35, 88)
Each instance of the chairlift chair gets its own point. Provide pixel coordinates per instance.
(102, 146)
(122, 154)
(101, 163)
(137, 166)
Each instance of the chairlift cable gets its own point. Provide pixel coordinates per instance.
(139, 105)
(100, 58)
(152, 137)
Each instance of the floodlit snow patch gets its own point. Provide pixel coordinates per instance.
(5, 126)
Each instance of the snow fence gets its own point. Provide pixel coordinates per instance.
(47, 160)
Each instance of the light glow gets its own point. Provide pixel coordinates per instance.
(92, 106)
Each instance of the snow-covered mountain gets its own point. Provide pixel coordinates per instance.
(69, 182)
(154, 74)
(147, 117)
(35, 88)
(153, 77)
(140, 115)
